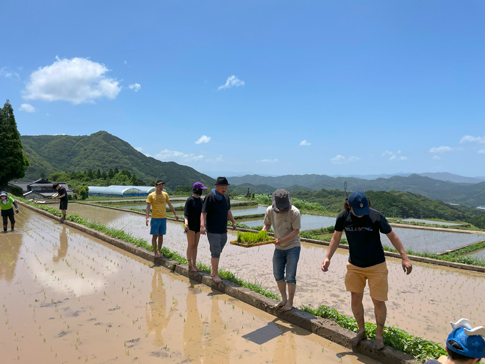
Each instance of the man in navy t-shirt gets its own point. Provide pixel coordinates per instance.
(367, 262)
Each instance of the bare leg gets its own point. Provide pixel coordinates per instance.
(190, 244)
(291, 294)
(358, 311)
(64, 214)
(194, 251)
(154, 245)
(160, 243)
(215, 270)
(380, 311)
(284, 298)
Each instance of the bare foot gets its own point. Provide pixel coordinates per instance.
(360, 336)
(279, 305)
(287, 307)
(193, 269)
(216, 278)
(379, 343)
(197, 268)
(157, 254)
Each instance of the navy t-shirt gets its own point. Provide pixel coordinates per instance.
(216, 220)
(62, 191)
(362, 233)
(193, 208)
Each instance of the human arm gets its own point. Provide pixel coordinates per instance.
(337, 235)
(173, 210)
(407, 266)
(16, 207)
(203, 217)
(147, 213)
(288, 237)
(231, 218)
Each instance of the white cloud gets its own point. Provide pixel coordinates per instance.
(77, 80)
(340, 159)
(481, 151)
(135, 87)
(469, 138)
(60, 134)
(203, 139)
(173, 155)
(27, 108)
(304, 143)
(139, 149)
(441, 149)
(232, 81)
(268, 160)
(436, 157)
(8, 74)
(394, 156)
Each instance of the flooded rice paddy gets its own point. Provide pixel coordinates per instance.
(480, 254)
(308, 222)
(432, 222)
(427, 241)
(422, 303)
(70, 298)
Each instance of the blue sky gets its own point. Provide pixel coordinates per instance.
(267, 87)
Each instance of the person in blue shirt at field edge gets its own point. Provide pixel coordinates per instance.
(367, 262)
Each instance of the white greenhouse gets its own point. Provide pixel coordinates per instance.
(120, 191)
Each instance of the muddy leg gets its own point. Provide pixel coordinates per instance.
(358, 311)
(380, 311)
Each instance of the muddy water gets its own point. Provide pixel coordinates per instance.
(69, 298)
(308, 222)
(422, 303)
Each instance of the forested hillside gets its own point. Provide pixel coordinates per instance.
(64, 153)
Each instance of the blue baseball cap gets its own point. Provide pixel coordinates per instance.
(359, 203)
(472, 346)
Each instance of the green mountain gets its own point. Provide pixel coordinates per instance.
(451, 192)
(65, 153)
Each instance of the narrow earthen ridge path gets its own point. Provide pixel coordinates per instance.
(415, 258)
(322, 327)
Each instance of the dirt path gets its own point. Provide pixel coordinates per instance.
(70, 298)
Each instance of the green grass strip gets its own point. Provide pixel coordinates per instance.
(398, 339)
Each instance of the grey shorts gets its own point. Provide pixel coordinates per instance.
(216, 243)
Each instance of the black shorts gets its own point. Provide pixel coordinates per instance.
(63, 205)
(195, 228)
(8, 214)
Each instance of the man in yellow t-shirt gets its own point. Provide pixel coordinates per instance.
(158, 225)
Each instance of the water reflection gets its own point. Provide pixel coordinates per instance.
(193, 329)
(62, 251)
(10, 244)
(156, 318)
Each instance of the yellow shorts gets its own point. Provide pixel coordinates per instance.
(376, 275)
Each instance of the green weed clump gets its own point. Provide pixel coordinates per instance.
(398, 339)
(251, 238)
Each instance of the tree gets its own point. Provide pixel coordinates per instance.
(83, 192)
(90, 174)
(104, 175)
(134, 180)
(98, 174)
(116, 171)
(111, 174)
(14, 162)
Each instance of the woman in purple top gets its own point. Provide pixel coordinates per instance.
(192, 211)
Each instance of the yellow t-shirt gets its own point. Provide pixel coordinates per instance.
(159, 204)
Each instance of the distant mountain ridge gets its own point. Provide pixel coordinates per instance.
(451, 192)
(66, 153)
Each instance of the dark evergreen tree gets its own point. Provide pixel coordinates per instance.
(14, 162)
(104, 175)
(116, 171)
(111, 173)
(98, 174)
(90, 173)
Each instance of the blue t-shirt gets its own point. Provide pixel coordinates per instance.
(362, 233)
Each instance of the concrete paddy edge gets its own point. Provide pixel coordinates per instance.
(322, 327)
(415, 258)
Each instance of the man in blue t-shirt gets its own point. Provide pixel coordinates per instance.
(367, 262)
